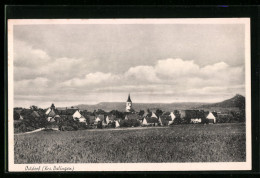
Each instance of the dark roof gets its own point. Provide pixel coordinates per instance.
(101, 117)
(152, 120)
(25, 112)
(41, 112)
(52, 113)
(18, 111)
(193, 113)
(145, 113)
(35, 114)
(71, 111)
(111, 117)
(61, 111)
(165, 119)
(133, 116)
(215, 114)
(149, 115)
(129, 99)
(91, 119)
(166, 113)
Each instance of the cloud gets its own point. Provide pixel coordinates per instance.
(164, 62)
(176, 67)
(166, 80)
(31, 86)
(30, 63)
(91, 79)
(26, 56)
(187, 73)
(142, 73)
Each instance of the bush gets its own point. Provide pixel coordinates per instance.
(23, 126)
(177, 120)
(66, 128)
(70, 124)
(16, 116)
(130, 123)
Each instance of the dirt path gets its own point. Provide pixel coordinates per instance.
(131, 128)
(37, 130)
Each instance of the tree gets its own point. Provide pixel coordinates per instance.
(158, 113)
(130, 123)
(16, 116)
(177, 120)
(34, 108)
(100, 111)
(117, 113)
(99, 125)
(141, 113)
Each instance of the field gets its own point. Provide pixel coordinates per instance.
(179, 143)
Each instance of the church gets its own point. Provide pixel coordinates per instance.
(129, 104)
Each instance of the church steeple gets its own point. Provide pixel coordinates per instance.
(129, 99)
(128, 104)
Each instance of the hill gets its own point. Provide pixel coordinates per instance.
(120, 106)
(235, 103)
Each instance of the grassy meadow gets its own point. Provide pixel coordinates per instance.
(179, 143)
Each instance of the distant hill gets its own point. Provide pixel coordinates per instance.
(120, 106)
(235, 103)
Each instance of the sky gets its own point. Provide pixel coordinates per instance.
(69, 64)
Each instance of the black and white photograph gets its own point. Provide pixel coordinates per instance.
(129, 94)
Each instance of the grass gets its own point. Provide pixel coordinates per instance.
(180, 143)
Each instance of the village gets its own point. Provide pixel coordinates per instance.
(72, 118)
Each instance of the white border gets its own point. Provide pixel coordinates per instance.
(213, 166)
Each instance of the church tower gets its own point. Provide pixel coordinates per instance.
(128, 104)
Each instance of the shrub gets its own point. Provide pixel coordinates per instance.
(16, 116)
(69, 124)
(23, 126)
(177, 120)
(130, 123)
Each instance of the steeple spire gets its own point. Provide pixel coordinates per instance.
(129, 99)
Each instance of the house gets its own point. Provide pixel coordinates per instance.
(52, 115)
(146, 113)
(154, 115)
(71, 111)
(173, 116)
(165, 120)
(99, 118)
(133, 116)
(78, 116)
(35, 114)
(48, 111)
(192, 116)
(17, 112)
(212, 116)
(27, 113)
(110, 118)
(195, 120)
(152, 121)
(91, 120)
(117, 123)
(62, 111)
